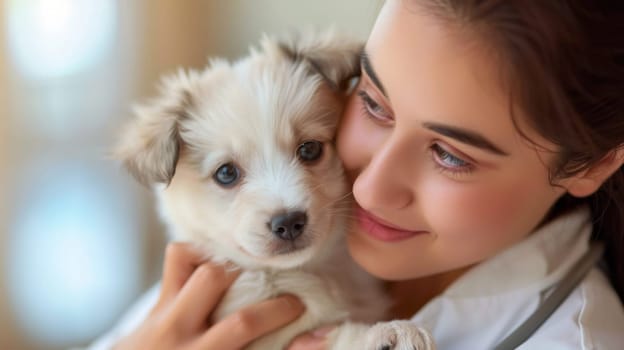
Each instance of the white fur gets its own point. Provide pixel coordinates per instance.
(255, 113)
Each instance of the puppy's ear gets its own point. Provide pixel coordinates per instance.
(333, 56)
(150, 144)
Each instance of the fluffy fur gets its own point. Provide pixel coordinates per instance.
(253, 116)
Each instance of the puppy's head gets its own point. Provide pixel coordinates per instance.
(244, 152)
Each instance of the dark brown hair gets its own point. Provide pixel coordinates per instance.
(563, 62)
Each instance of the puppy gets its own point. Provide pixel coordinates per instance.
(242, 160)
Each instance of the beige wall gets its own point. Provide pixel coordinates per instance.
(7, 328)
(171, 35)
(236, 23)
(163, 35)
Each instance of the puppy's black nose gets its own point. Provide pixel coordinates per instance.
(288, 226)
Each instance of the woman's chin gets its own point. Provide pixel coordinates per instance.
(401, 261)
(374, 260)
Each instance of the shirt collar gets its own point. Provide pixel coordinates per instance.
(479, 309)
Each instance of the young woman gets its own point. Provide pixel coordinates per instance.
(485, 143)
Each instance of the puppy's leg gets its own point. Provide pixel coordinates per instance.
(395, 335)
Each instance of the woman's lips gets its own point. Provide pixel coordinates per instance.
(380, 230)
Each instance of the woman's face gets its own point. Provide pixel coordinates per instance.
(441, 176)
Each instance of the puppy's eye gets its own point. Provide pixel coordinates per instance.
(310, 151)
(227, 175)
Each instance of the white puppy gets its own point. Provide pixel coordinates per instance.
(244, 165)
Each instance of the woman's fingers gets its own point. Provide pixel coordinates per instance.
(315, 340)
(181, 259)
(239, 329)
(192, 287)
(200, 295)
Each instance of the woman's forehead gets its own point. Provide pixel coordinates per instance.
(431, 72)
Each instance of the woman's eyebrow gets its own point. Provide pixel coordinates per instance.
(465, 136)
(368, 68)
(462, 135)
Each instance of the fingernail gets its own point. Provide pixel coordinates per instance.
(321, 332)
(293, 302)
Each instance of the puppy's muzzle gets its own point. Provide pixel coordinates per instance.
(288, 226)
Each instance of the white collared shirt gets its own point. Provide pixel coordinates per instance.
(492, 299)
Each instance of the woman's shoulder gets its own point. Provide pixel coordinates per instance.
(592, 317)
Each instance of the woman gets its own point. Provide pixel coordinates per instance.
(485, 146)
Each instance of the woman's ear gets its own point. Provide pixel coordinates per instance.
(589, 180)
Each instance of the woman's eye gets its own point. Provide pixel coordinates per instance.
(448, 161)
(310, 151)
(227, 175)
(372, 108)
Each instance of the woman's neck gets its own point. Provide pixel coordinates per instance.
(411, 295)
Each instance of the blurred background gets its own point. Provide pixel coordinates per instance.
(79, 239)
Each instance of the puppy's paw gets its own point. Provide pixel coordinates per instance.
(398, 335)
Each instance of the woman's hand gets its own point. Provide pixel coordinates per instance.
(191, 290)
(314, 340)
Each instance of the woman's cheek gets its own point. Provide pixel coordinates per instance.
(471, 215)
(357, 138)
(346, 138)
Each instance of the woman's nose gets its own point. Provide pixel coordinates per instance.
(385, 182)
